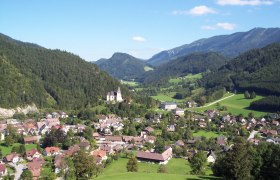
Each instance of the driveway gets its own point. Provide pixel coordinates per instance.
(19, 168)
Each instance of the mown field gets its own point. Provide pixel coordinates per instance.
(207, 134)
(167, 97)
(189, 77)
(7, 150)
(235, 105)
(178, 169)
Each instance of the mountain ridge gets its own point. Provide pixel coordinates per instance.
(228, 45)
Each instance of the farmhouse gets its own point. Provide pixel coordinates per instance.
(178, 111)
(155, 157)
(168, 105)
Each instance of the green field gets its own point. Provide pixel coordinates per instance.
(167, 97)
(189, 77)
(178, 169)
(148, 68)
(130, 83)
(207, 134)
(7, 150)
(235, 105)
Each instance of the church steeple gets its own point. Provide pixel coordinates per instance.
(119, 95)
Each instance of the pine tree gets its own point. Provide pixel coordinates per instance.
(132, 165)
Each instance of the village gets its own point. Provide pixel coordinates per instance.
(157, 138)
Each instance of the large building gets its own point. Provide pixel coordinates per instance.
(115, 96)
(168, 105)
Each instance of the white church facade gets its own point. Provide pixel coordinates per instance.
(115, 96)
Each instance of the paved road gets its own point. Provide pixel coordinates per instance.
(216, 101)
(19, 168)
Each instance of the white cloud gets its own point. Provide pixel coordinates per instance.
(201, 10)
(225, 26)
(138, 38)
(196, 11)
(244, 2)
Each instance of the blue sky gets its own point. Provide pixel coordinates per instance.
(96, 29)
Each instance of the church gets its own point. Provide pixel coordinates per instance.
(115, 96)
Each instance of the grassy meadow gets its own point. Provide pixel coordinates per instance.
(177, 169)
(207, 134)
(7, 150)
(235, 105)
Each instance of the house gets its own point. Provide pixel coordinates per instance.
(178, 112)
(33, 153)
(155, 157)
(13, 157)
(191, 104)
(3, 170)
(84, 145)
(31, 140)
(99, 154)
(149, 130)
(35, 168)
(107, 148)
(58, 163)
(179, 143)
(114, 96)
(72, 150)
(221, 140)
(168, 105)
(275, 123)
(51, 151)
(116, 139)
(52, 122)
(211, 157)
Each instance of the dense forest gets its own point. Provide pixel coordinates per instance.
(193, 63)
(49, 78)
(256, 70)
(122, 66)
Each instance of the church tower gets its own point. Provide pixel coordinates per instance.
(119, 95)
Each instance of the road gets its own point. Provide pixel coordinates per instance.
(19, 168)
(216, 101)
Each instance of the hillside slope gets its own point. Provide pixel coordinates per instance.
(49, 78)
(122, 66)
(193, 63)
(256, 70)
(229, 45)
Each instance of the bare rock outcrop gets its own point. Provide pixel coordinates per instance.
(7, 113)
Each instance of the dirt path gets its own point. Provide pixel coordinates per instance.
(216, 101)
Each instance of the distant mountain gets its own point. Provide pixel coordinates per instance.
(256, 70)
(122, 66)
(193, 63)
(49, 78)
(228, 45)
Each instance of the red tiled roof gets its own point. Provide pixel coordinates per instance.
(2, 167)
(99, 153)
(51, 150)
(30, 139)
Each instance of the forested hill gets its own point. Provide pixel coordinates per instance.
(256, 70)
(229, 45)
(49, 78)
(193, 63)
(122, 66)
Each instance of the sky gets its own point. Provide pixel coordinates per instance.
(95, 29)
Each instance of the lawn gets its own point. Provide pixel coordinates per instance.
(236, 105)
(7, 150)
(167, 97)
(189, 77)
(130, 83)
(207, 134)
(177, 169)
